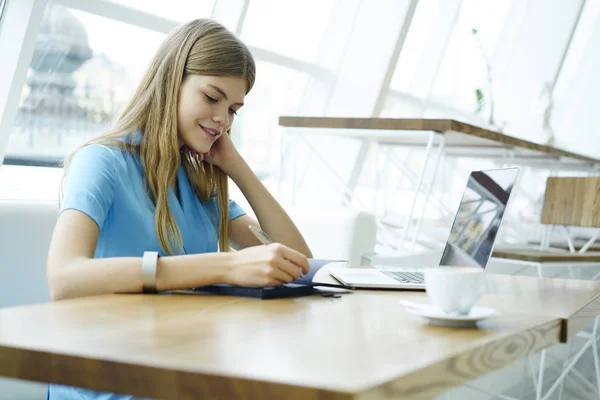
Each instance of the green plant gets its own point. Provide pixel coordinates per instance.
(480, 100)
(479, 93)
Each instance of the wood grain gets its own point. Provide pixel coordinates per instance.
(572, 201)
(580, 319)
(363, 345)
(574, 301)
(418, 124)
(542, 256)
(465, 366)
(443, 126)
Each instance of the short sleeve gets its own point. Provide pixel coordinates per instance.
(235, 210)
(90, 180)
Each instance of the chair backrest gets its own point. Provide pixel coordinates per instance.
(336, 234)
(25, 231)
(572, 202)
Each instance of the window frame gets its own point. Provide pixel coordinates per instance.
(139, 18)
(2, 4)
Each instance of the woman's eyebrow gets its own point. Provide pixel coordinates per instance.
(222, 93)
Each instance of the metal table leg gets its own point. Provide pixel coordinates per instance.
(417, 189)
(430, 188)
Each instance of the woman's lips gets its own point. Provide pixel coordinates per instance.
(212, 134)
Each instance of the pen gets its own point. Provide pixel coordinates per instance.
(265, 239)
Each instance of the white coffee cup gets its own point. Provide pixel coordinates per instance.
(455, 290)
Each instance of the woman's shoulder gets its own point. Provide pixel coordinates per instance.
(105, 156)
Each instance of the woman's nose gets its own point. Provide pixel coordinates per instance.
(222, 119)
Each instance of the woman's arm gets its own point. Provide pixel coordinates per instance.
(73, 272)
(271, 216)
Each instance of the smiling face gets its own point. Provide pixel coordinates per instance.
(206, 108)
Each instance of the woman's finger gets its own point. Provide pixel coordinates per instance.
(282, 272)
(296, 258)
(289, 268)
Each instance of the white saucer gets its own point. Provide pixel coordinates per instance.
(436, 316)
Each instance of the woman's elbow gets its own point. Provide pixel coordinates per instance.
(57, 288)
(58, 282)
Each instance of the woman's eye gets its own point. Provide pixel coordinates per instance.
(211, 99)
(232, 111)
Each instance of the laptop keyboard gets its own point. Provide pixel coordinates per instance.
(405, 277)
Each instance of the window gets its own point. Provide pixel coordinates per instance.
(277, 91)
(82, 73)
(177, 10)
(291, 28)
(427, 24)
(471, 47)
(2, 4)
(443, 61)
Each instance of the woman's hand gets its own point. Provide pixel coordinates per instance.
(262, 266)
(222, 154)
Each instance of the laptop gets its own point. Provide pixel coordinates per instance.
(470, 242)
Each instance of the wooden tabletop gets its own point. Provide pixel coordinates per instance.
(576, 302)
(456, 133)
(361, 346)
(545, 256)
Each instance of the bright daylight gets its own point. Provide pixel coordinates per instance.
(284, 199)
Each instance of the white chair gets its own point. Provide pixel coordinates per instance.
(336, 234)
(25, 231)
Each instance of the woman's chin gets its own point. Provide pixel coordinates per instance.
(196, 149)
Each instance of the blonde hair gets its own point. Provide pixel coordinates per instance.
(201, 47)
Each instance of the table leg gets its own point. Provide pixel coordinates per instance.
(282, 156)
(595, 355)
(564, 373)
(489, 393)
(540, 379)
(380, 160)
(417, 189)
(590, 242)
(429, 189)
(402, 167)
(359, 163)
(566, 360)
(387, 238)
(285, 146)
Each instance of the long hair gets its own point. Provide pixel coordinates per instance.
(202, 47)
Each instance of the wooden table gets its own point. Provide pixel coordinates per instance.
(361, 346)
(436, 136)
(544, 256)
(457, 134)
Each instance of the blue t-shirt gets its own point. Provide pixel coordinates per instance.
(107, 184)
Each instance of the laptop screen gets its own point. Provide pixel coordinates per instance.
(479, 217)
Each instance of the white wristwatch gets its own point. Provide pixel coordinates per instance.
(149, 262)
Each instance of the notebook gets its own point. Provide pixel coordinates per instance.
(301, 287)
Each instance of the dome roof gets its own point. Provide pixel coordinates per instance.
(62, 43)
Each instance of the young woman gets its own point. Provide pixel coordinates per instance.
(157, 183)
